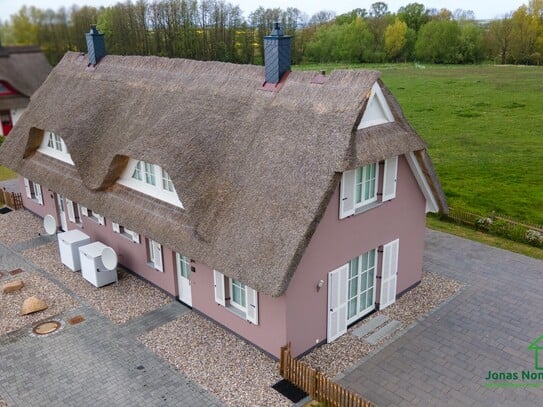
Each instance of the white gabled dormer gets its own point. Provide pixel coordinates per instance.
(377, 110)
(150, 179)
(53, 146)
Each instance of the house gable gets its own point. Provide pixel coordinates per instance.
(377, 110)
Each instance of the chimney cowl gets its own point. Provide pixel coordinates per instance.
(277, 31)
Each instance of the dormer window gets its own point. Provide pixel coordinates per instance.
(377, 110)
(150, 179)
(53, 146)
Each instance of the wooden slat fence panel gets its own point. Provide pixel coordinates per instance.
(316, 384)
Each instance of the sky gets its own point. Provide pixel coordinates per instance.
(482, 9)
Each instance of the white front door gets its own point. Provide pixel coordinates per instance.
(337, 302)
(389, 274)
(183, 278)
(62, 213)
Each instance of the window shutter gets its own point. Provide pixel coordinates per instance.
(27, 188)
(84, 211)
(337, 302)
(389, 274)
(37, 191)
(252, 305)
(158, 256)
(346, 203)
(100, 218)
(218, 280)
(115, 227)
(135, 237)
(390, 175)
(70, 207)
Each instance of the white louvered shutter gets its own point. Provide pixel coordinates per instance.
(37, 191)
(70, 210)
(135, 237)
(100, 218)
(389, 274)
(115, 227)
(337, 302)
(27, 188)
(84, 211)
(158, 256)
(389, 179)
(252, 305)
(346, 199)
(218, 281)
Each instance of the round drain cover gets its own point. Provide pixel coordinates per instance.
(45, 328)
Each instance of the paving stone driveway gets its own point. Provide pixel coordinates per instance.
(94, 363)
(445, 358)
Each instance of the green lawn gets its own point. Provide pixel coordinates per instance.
(484, 129)
(6, 173)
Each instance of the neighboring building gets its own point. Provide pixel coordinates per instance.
(22, 70)
(284, 211)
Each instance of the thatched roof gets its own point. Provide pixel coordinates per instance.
(254, 169)
(24, 68)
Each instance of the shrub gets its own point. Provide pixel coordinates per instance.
(534, 237)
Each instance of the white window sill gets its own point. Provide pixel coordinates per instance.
(367, 207)
(152, 265)
(236, 311)
(36, 201)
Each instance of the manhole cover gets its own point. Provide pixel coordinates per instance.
(45, 328)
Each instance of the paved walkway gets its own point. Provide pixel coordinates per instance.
(445, 358)
(93, 363)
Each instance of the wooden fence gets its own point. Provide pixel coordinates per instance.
(14, 200)
(316, 384)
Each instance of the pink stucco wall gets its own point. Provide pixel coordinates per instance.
(337, 241)
(269, 334)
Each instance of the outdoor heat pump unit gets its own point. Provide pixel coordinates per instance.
(98, 264)
(69, 244)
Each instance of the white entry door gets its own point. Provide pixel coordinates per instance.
(389, 274)
(62, 213)
(337, 302)
(183, 279)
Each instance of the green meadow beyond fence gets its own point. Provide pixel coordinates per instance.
(316, 384)
(499, 225)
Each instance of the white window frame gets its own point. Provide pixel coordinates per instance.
(249, 311)
(138, 173)
(33, 191)
(362, 272)
(94, 216)
(365, 179)
(125, 232)
(155, 255)
(53, 145)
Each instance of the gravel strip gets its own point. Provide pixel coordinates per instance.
(34, 285)
(236, 372)
(133, 297)
(333, 358)
(19, 226)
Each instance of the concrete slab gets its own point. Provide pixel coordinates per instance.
(370, 326)
(383, 331)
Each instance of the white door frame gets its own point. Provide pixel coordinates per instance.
(183, 280)
(61, 207)
(337, 302)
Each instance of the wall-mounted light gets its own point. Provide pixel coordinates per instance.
(320, 284)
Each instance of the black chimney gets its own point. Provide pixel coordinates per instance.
(96, 45)
(277, 54)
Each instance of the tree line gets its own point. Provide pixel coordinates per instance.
(218, 30)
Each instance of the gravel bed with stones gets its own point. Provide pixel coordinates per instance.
(236, 372)
(19, 226)
(333, 358)
(34, 285)
(131, 298)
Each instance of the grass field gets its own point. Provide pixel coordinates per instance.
(484, 129)
(6, 173)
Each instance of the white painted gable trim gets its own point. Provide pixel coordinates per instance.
(377, 110)
(431, 202)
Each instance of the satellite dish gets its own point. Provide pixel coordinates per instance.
(50, 224)
(109, 258)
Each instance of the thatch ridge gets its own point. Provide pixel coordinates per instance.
(254, 169)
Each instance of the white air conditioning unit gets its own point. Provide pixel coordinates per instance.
(68, 244)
